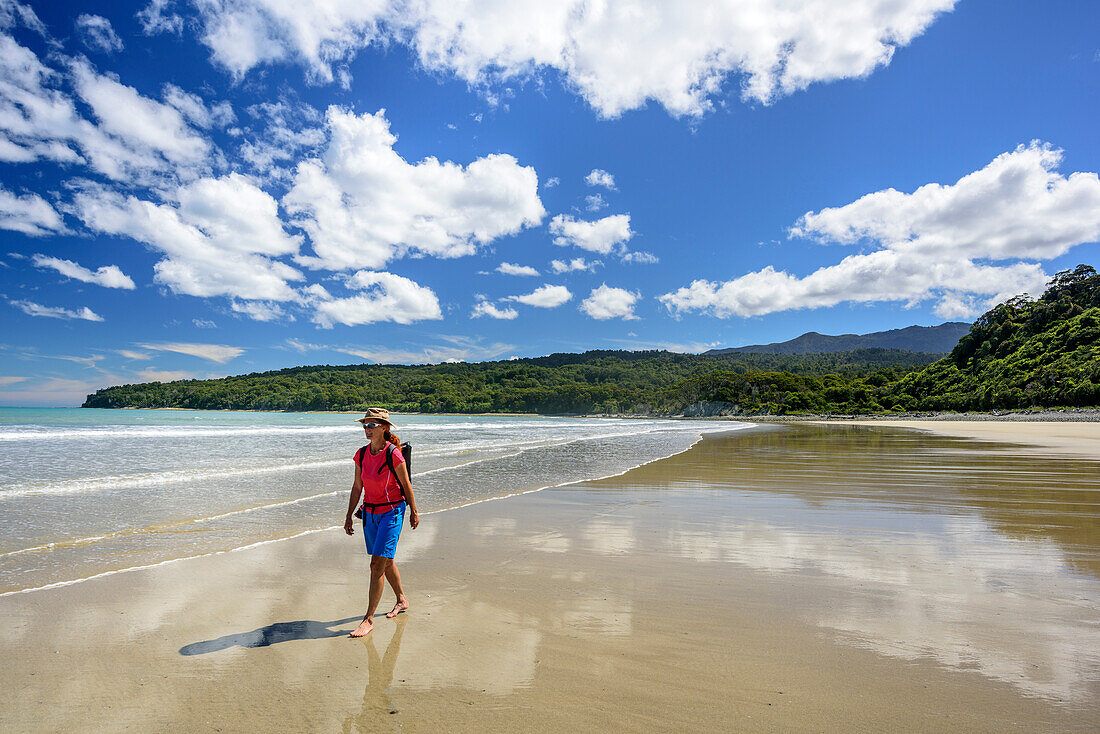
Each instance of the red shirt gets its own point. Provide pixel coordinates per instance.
(380, 487)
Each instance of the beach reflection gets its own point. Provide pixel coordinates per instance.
(607, 614)
(967, 596)
(378, 703)
(923, 546)
(498, 657)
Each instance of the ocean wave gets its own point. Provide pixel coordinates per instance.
(159, 478)
(164, 432)
(70, 582)
(151, 479)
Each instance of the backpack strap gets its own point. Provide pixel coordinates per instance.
(388, 463)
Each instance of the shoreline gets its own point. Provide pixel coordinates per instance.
(567, 604)
(1069, 415)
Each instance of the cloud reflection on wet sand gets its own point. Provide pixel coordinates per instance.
(932, 550)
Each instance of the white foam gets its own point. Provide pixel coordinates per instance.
(71, 582)
(166, 432)
(153, 479)
(134, 481)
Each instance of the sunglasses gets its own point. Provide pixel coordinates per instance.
(371, 425)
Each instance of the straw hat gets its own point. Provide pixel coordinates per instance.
(376, 415)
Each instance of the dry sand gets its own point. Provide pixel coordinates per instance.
(741, 586)
(1056, 437)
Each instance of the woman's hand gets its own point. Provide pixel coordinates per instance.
(349, 526)
(414, 518)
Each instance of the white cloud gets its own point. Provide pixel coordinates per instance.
(1018, 206)
(56, 312)
(97, 33)
(236, 215)
(219, 241)
(153, 18)
(6, 380)
(138, 141)
(155, 375)
(54, 391)
(220, 353)
(617, 54)
(16, 13)
(546, 296)
(89, 362)
(260, 310)
(606, 302)
(363, 203)
(36, 120)
(600, 177)
(321, 36)
(931, 243)
(285, 130)
(192, 107)
(132, 354)
(953, 306)
(641, 256)
(385, 297)
(303, 347)
(679, 347)
(621, 53)
(552, 182)
(108, 276)
(485, 308)
(30, 214)
(577, 263)
(513, 269)
(594, 202)
(601, 236)
(459, 349)
(138, 121)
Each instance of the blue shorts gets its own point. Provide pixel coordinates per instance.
(381, 531)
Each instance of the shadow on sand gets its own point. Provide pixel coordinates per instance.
(306, 629)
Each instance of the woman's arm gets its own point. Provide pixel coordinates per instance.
(353, 501)
(407, 488)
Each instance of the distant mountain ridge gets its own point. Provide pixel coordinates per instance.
(933, 339)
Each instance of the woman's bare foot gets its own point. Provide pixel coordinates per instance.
(401, 606)
(364, 628)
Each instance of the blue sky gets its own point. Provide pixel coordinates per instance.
(195, 189)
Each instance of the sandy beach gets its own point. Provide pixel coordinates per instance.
(1057, 437)
(785, 578)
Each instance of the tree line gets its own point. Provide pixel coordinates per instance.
(1023, 353)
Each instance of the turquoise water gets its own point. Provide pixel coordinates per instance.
(85, 492)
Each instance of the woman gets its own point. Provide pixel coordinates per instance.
(385, 494)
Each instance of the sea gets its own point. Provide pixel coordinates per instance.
(86, 492)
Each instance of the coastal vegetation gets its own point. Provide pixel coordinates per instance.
(592, 382)
(1023, 353)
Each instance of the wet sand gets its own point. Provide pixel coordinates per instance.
(807, 578)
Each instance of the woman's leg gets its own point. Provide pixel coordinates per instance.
(378, 566)
(394, 577)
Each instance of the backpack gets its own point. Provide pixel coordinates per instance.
(406, 452)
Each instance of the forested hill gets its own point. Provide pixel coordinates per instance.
(592, 382)
(1021, 354)
(937, 339)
